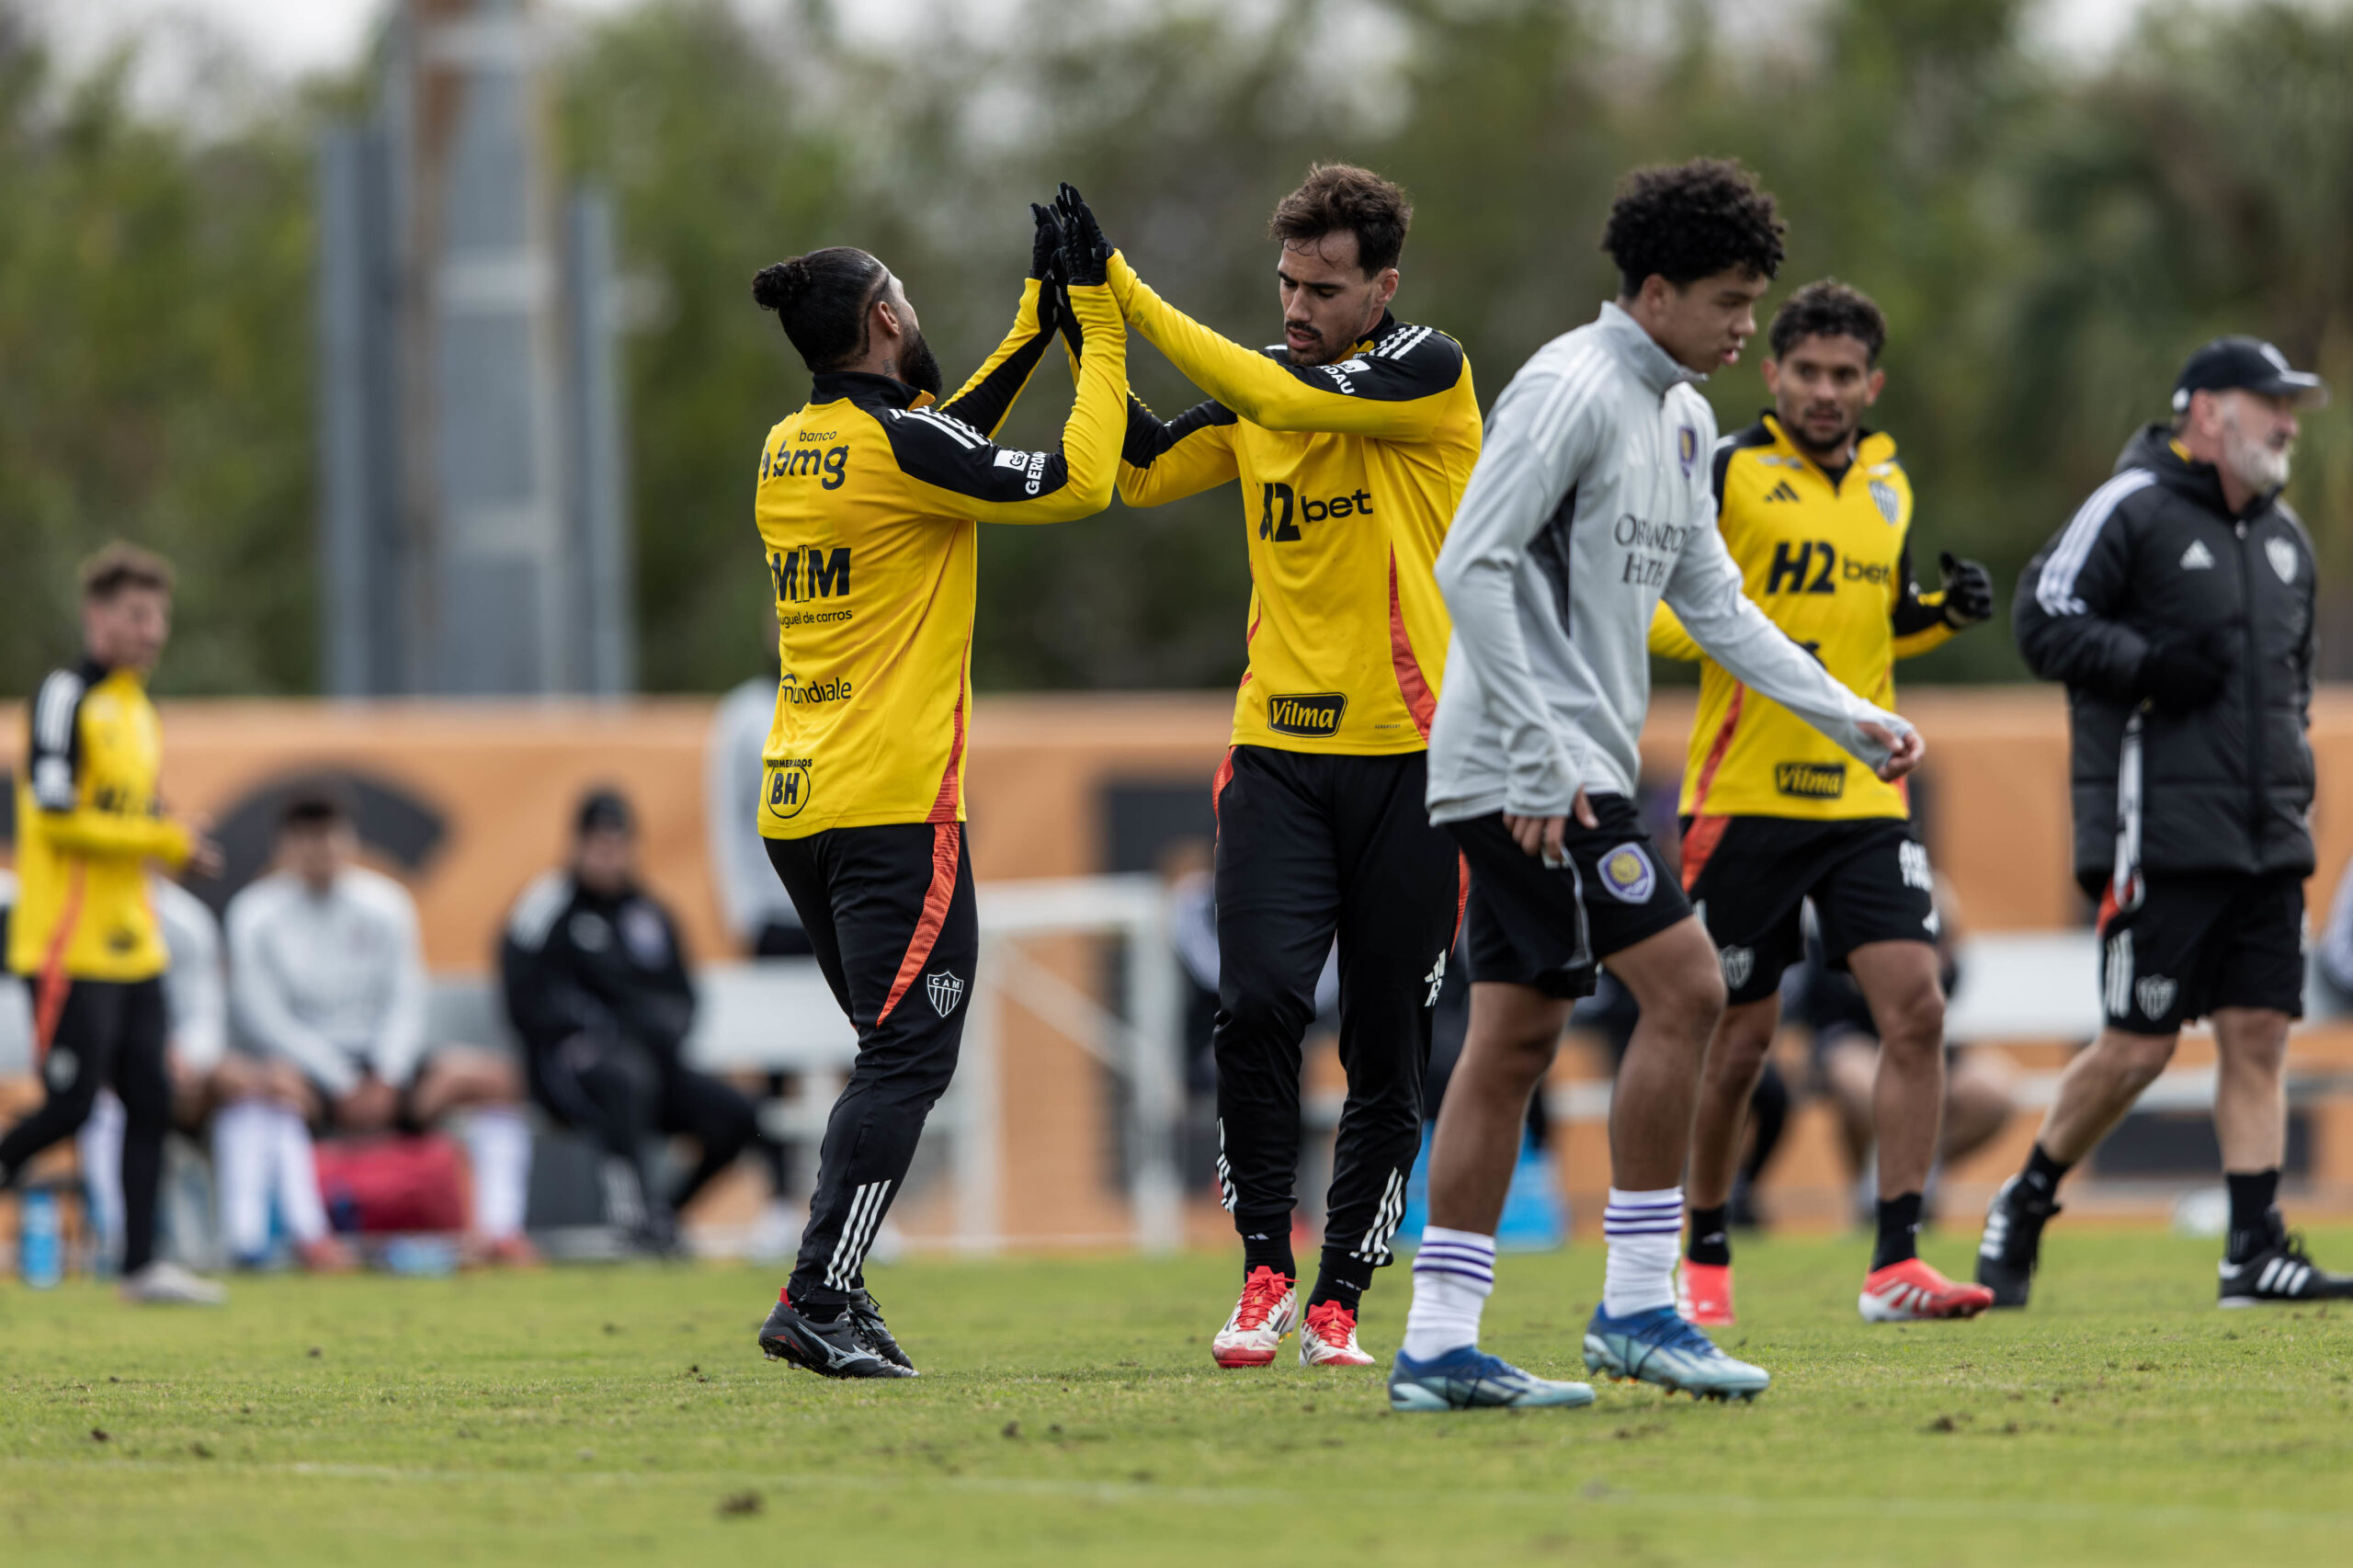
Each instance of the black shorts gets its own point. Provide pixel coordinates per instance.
(2195, 943)
(1548, 927)
(1749, 879)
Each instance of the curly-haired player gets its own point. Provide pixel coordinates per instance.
(1590, 504)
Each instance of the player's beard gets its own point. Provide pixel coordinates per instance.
(2260, 468)
(919, 367)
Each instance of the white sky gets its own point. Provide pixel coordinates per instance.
(286, 37)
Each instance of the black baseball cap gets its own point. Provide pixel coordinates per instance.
(603, 810)
(2247, 364)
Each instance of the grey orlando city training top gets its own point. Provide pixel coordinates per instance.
(1591, 500)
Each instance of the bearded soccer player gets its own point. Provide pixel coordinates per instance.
(1590, 504)
(1818, 514)
(1352, 442)
(867, 505)
(89, 823)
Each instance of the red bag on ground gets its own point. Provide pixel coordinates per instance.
(393, 1184)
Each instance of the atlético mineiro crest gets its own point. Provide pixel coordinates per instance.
(2156, 994)
(1686, 449)
(945, 991)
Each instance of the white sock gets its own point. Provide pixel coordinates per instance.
(498, 1147)
(1642, 1229)
(245, 1147)
(297, 1177)
(99, 1144)
(1452, 1274)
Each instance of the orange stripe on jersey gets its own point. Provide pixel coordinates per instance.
(946, 844)
(1224, 776)
(1706, 831)
(1462, 892)
(943, 809)
(1410, 684)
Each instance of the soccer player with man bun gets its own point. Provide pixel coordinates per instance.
(1352, 441)
(867, 505)
(1817, 512)
(1591, 503)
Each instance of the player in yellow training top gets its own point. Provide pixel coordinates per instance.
(1352, 442)
(1818, 513)
(867, 504)
(89, 823)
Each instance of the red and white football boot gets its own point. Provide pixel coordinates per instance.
(1703, 1294)
(1268, 1309)
(1911, 1291)
(1328, 1338)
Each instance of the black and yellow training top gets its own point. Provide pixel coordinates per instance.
(865, 505)
(1350, 474)
(88, 821)
(1827, 557)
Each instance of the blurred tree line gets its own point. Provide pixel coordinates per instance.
(2048, 246)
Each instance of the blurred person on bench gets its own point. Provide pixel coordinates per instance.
(260, 1147)
(596, 986)
(326, 978)
(90, 825)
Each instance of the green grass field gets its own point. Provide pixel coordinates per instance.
(1069, 1414)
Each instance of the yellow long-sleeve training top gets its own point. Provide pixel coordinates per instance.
(1829, 561)
(867, 504)
(87, 823)
(1350, 474)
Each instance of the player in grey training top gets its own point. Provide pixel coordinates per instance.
(1591, 501)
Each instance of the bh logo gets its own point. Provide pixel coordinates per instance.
(788, 788)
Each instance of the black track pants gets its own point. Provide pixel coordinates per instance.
(891, 914)
(1309, 847)
(108, 1034)
(623, 1093)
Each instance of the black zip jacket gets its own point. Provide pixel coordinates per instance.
(2156, 553)
(572, 961)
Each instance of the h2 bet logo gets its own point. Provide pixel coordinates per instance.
(810, 573)
(1282, 511)
(830, 469)
(1814, 568)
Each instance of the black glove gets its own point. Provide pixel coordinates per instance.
(2183, 674)
(1046, 267)
(1085, 250)
(1969, 592)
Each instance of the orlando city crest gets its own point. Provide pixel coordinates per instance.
(1626, 872)
(1686, 449)
(945, 991)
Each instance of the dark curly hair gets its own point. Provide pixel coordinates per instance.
(1338, 197)
(1692, 220)
(1827, 308)
(821, 299)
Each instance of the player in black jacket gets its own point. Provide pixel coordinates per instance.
(2177, 607)
(596, 987)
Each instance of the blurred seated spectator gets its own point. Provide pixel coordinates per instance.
(260, 1144)
(326, 977)
(595, 984)
(2335, 950)
(1978, 1079)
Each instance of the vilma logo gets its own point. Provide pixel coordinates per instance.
(787, 788)
(945, 991)
(1306, 713)
(1626, 871)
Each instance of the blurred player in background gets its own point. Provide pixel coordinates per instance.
(868, 504)
(326, 977)
(595, 984)
(90, 824)
(2178, 606)
(1352, 440)
(1592, 502)
(1817, 511)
